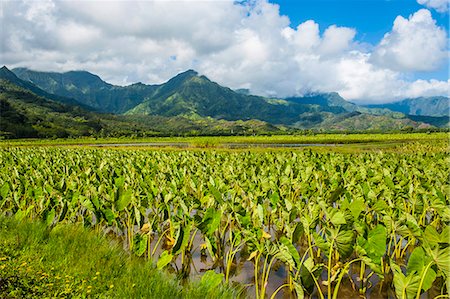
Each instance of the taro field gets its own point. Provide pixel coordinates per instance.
(273, 223)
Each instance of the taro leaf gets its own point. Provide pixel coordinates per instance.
(274, 199)
(416, 261)
(429, 278)
(260, 213)
(119, 181)
(405, 286)
(95, 202)
(431, 236)
(380, 206)
(411, 223)
(299, 290)
(321, 243)
(140, 245)
(124, 200)
(337, 217)
(293, 253)
(389, 182)
(344, 242)
(109, 216)
(288, 204)
(335, 194)
(376, 242)
(441, 257)
(4, 190)
(210, 222)
(298, 232)
(164, 259)
(215, 192)
(445, 235)
(417, 264)
(50, 217)
(356, 207)
(212, 279)
(209, 245)
(183, 239)
(375, 267)
(288, 170)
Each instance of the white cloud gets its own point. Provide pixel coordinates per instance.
(439, 5)
(247, 45)
(414, 44)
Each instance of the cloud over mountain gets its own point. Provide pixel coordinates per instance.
(241, 45)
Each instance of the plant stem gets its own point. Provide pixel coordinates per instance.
(330, 257)
(422, 279)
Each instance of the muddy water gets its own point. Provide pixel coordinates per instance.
(243, 277)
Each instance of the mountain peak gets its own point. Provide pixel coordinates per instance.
(185, 75)
(6, 74)
(190, 72)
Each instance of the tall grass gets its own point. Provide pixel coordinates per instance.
(71, 261)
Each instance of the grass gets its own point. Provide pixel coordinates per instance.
(71, 261)
(213, 141)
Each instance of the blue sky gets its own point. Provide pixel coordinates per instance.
(369, 51)
(372, 19)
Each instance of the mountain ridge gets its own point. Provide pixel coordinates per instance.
(193, 96)
(421, 106)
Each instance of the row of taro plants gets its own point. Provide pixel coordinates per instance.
(377, 222)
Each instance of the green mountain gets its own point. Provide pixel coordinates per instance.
(425, 106)
(190, 94)
(199, 104)
(88, 89)
(27, 111)
(6, 74)
(187, 94)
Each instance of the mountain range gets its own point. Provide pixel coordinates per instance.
(190, 103)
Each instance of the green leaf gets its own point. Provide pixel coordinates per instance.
(124, 200)
(321, 243)
(212, 279)
(109, 215)
(380, 206)
(183, 239)
(335, 194)
(298, 232)
(50, 217)
(405, 286)
(344, 242)
(356, 207)
(140, 244)
(291, 249)
(429, 278)
(274, 198)
(211, 221)
(441, 257)
(164, 259)
(376, 242)
(4, 190)
(389, 182)
(337, 217)
(299, 290)
(416, 261)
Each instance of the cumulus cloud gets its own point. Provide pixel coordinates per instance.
(414, 44)
(439, 5)
(240, 45)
